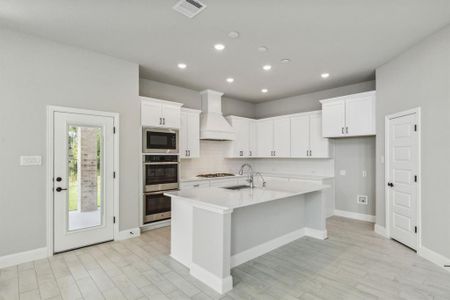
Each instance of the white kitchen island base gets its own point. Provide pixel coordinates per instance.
(215, 229)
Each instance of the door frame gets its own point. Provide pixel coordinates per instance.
(416, 111)
(51, 110)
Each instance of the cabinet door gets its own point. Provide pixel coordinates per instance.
(333, 119)
(240, 147)
(252, 139)
(193, 140)
(183, 134)
(171, 115)
(319, 146)
(264, 138)
(151, 114)
(282, 137)
(360, 114)
(300, 136)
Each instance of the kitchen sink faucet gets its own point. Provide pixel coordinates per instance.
(251, 174)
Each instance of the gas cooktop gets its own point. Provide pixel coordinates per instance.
(214, 175)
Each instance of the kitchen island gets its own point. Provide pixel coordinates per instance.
(215, 229)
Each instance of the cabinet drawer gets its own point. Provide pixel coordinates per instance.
(194, 184)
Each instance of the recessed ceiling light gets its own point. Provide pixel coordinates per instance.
(262, 49)
(264, 91)
(233, 34)
(219, 47)
(230, 80)
(182, 66)
(325, 75)
(285, 61)
(267, 67)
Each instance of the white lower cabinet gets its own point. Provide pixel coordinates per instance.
(306, 136)
(189, 141)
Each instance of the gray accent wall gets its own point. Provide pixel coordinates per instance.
(354, 156)
(192, 99)
(36, 73)
(420, 77)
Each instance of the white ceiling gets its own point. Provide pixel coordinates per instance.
(347, 38)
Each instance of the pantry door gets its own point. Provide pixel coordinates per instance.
(83, 179)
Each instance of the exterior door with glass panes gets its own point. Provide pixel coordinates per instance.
(83, 183)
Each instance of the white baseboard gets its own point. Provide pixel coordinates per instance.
(155, 225)
(220, 285)
(434, 257)
(23, 257)
(315, 233)
(266, 247)
(353, 215)
(128, 234)
(381, 230)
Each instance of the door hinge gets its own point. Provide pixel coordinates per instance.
(415, 178)
(415, 127)
(114, 174)
(114, 129)
(114, 220)
(415, 229)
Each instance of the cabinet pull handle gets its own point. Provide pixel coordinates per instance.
(241, 153)
(346, 129)
(342, 130)
(189, 153)
(196, 185)
(164, 121)
(310, 152)
(160, 121)
(249, 153)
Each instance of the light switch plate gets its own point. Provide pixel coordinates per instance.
(31, 160)
(362, 199)
(364, 173)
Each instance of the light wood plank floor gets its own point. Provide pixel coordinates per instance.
(354, 263)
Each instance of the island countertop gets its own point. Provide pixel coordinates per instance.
(226, 200)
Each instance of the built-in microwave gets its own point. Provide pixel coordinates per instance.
(160, 172)
(159, 140)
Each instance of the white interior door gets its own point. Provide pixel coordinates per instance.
(402, 185)
(83, 180)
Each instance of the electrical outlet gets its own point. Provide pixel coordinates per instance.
(343, 172)
(364, 173)
(31, 160)
(362, 199)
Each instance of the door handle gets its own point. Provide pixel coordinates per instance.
(390, 184)
(58, 189)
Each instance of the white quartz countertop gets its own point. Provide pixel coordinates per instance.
(226, 200)
(192, 179)
(268, 174)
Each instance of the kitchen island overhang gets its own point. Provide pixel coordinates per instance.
(216, 229)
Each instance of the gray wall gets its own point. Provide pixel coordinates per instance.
(355, 155)
(308, 102)
(36, 73)
(420, 77)
(192, 99)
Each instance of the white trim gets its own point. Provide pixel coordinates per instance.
(220, 285)
(266, 247)
(434, 257)
(354, 215)
(380, 230)
(128, 234)
(50, 165)
(315, 233)
(416, 111)
(23, 257)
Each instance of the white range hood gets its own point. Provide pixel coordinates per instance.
(213, 125)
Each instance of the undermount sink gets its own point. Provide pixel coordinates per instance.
(237, 187)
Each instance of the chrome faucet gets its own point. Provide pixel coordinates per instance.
(251, 175)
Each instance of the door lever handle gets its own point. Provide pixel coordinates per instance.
(58, 189)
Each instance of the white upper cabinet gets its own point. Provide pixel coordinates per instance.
(243, 144)
(252, 141)
(281, 137)
(352, 115)
(160, 113)
(306, 136)
(264, 138)
(190, 133)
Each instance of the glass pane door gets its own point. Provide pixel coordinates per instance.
(85, 165)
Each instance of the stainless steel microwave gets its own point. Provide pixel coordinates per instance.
(159, 140)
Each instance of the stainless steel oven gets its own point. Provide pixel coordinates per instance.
(160, 172)
(159, 140)
(157, 207)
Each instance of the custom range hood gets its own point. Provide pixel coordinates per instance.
(213, 125)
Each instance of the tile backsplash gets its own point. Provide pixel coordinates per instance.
(212, 159)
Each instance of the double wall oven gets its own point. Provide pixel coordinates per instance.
(160, 174)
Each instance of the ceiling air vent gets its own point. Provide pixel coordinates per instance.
(189, 8)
